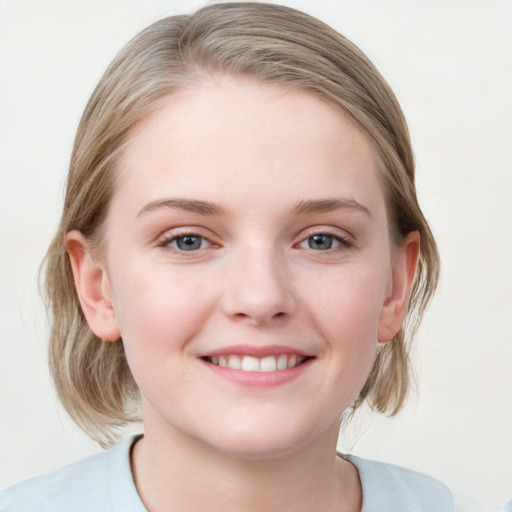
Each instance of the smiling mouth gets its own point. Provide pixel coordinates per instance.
(254, 364)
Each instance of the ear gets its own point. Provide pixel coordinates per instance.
(395, 306)
(93, 288)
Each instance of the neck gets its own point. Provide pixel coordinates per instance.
(176, 473)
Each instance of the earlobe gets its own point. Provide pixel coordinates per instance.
(93, 288)
(395, 307)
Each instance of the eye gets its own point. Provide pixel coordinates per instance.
(188, 242)
(325, 242)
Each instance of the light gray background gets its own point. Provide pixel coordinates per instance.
(450, 64)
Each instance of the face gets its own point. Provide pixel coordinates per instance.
(248, 266)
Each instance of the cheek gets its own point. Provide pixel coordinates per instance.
(158, 311)
(347, 313)
(350, 302)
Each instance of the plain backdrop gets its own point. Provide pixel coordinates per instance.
(450, 64)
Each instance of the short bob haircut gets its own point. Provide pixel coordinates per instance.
(268, 44)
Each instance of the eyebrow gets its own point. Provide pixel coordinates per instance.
(189, 205)
(209, 208)
(328, 205)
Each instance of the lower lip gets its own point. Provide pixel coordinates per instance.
(258, 379)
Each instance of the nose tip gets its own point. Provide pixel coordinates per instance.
(259, 293)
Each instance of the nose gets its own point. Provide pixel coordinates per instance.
(259, 289)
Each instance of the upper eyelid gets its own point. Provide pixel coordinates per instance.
(342, 240)
(170, 236)
(177, 232)
(324, 230)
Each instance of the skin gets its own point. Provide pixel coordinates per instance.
(257, 153)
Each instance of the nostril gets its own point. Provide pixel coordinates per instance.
(243, 305)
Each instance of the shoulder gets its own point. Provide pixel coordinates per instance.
(387, 487)
(89, 484)
(66, 487)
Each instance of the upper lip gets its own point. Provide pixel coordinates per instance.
(254, 351)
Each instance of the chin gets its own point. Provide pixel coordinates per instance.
(265, 442)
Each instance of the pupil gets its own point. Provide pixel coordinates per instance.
(322, 242)
(188, 243)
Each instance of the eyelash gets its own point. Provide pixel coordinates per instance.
(345, 242)
(168, 240)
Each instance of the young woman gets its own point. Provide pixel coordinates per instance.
(242, 260)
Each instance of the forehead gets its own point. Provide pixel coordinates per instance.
(257, 141)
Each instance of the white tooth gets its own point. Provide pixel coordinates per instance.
(214, 360)
(235, 363)
(292, 361)
(250, 364)
(223, 361)
(268, 364)
(282, 362)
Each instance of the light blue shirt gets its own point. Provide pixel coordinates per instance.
(104, 483)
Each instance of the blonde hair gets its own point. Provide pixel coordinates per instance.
(267, 43)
